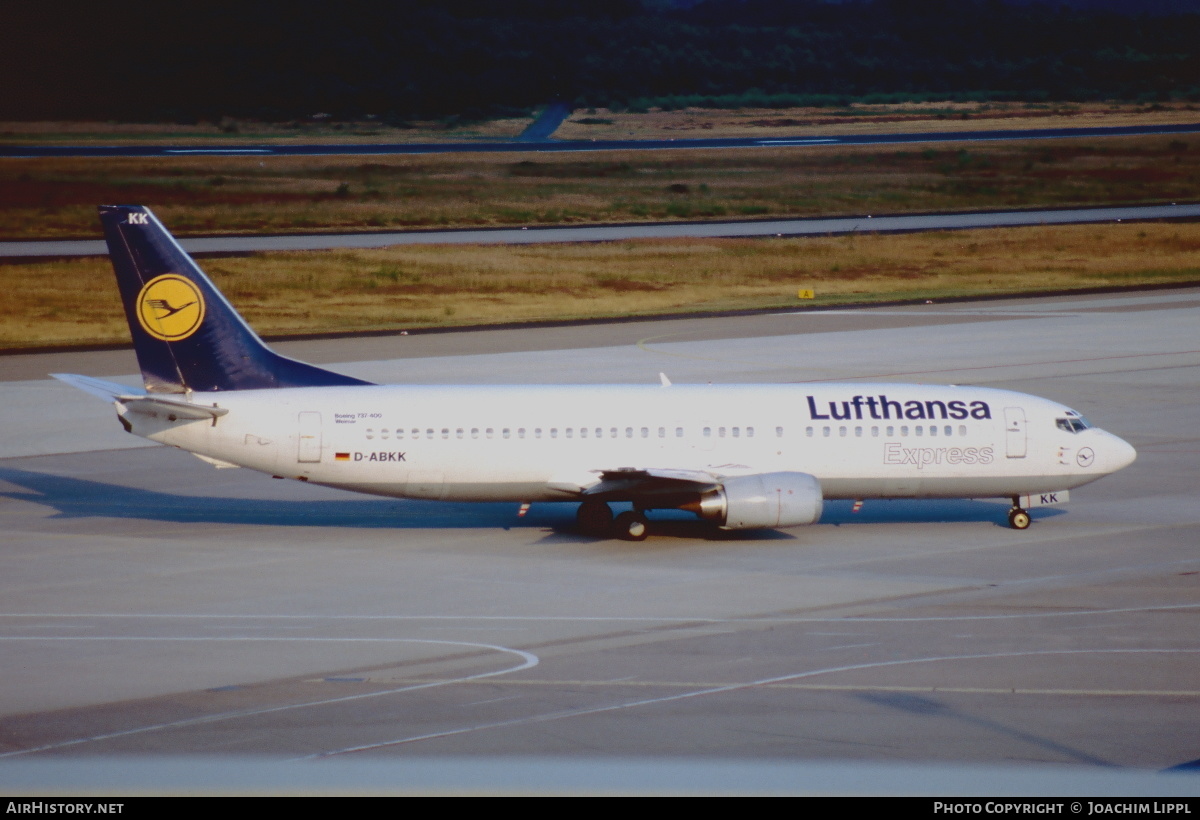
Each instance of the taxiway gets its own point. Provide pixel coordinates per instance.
(154, 606)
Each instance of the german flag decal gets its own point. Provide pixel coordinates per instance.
(341, 456)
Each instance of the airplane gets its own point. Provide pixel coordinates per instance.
(739, 456)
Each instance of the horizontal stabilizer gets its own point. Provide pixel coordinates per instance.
(109, 391)
(136, 400)
(157, 406)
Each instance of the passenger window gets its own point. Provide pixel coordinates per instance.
(504, 433)
(933, 429)
(842, 432)
(721, 432)
(537, 432)
(489, 432)
(920, 429)
(474, 432)
(808, 431)
(570, 431)
(383, 434)
(735, 431)
(612, 432)
(948, 430)
(749, 432)
(904, 429)
(962, 429)
(778, 432)
(662, 432)
(370, 434)
(875, 432)
(458, 433)
(628, 432)
(520, 432)
(678, 432)
(445, 432)
(429, 433)
(645, 432)
(891, 431)
(708, 432)
(858, 432)
(825, 431)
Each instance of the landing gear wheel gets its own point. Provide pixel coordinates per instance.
(594, 517)
(631, 526)
(1018, 519)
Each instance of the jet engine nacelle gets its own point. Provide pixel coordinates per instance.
(762, 501)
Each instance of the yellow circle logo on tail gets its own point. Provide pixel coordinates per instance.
(170, 307)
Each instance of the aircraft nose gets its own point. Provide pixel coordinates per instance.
(1121, 453)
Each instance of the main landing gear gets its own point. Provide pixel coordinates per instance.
(596, 518)
(631, 526)
(1018, 519)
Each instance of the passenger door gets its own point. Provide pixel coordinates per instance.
(1014, 427)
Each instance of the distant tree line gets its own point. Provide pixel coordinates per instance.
(285, 59)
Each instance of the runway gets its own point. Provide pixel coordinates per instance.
(820, 226)
(557, 146)
(157, 608)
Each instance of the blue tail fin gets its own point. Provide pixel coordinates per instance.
(187, 337)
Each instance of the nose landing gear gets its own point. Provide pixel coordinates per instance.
(1018, 518)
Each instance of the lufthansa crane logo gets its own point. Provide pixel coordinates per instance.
(170, 307)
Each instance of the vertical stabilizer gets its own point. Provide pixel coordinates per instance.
(186, 335)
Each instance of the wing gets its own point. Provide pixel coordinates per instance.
(626, 483)
(661, 486)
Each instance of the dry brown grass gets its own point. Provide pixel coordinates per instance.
(70, 302)
(57, 197)
(230, 131)
(860, 118)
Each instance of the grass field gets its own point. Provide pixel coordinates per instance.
(76, 301)
(57, 198)
(586, 124)
(42, 198)
(861, 118)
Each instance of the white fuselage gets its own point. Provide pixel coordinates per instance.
(531, 443)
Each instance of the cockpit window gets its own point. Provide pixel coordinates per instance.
(1073, 423)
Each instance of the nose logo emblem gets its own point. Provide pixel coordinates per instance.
(1085, 457)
